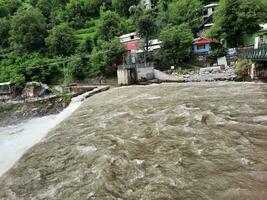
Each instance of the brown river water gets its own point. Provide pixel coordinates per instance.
(195, 141)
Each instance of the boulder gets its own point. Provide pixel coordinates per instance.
(35, 89)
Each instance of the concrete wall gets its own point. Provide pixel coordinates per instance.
(145, 73)
(126, 76)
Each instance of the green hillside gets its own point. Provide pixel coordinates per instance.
(39, 37)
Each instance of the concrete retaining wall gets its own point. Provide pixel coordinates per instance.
(145, 73)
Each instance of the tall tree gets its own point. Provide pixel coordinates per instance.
(61, 40)
(4, 32)
(186, 12)
(176, 42)
(28, 30)
(146, 29)
(79, 11)
(110, 25)
(123, 6)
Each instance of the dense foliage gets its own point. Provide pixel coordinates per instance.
(236, 17)
(176, 40)
(70, 40)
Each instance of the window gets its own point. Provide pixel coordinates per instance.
(132, 37)
(200, 46)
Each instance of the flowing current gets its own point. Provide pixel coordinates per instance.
(15, 140)
(194, 141)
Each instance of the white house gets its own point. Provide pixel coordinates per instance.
(207, 19)
(208, 13)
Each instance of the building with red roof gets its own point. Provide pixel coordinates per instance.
(203, 45)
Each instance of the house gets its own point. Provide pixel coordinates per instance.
(131, 41)
(207, 22)
(202, 45)
(134, 45)
(136, 60)
(261, 37)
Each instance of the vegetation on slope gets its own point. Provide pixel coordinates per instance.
(69, 40)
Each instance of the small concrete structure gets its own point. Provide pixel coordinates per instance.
(222, 61)
(126, 76)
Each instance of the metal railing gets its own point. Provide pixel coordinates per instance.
(259, 54)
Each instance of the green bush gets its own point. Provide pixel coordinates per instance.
(61, 40)
(241, 68)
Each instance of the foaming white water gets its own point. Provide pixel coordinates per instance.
(16, 140)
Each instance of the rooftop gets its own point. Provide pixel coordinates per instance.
(211, 5)
(5, 83)
(128, 35)
(264, 27)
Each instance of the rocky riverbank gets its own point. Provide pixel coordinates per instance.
(209, 74)
(16, 112)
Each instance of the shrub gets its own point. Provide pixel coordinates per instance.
(241, 68)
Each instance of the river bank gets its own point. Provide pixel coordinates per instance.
(168, 141)
(17, 112)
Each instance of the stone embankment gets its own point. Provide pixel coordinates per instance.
(208, 74)
(17, 111)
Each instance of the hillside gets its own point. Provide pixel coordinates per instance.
(82, 35)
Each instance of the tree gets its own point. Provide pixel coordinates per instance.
(9, 7)
(237, 17)
(26, 67)
(110, 25)
(186, 12)
(114, 50)
(122, 6)
(146, 27)
(176, 42)
(28, 30)
(86, 46)
(79, 11)
(61, 40)
(4, 32)
(106, 57)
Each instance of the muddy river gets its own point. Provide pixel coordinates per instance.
(196, 141)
